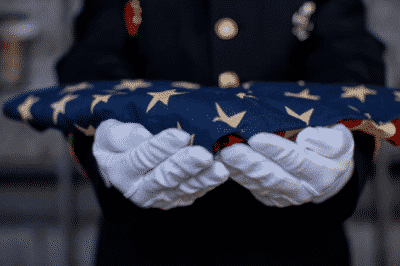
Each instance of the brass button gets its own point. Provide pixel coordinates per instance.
(228, 80)
(308, 8)
(226, 28)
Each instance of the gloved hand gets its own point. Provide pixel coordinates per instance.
(155, 171)
(281, 173)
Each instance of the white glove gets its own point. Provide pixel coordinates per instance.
(155, 171)
(281, 173)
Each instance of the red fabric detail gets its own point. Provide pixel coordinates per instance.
(350, 123)
(395, 140)
(129, 13)
(281, 133)
(232, 140)
(293, 138)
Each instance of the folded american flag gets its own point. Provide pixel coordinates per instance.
(210, 113)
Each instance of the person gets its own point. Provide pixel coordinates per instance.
(224, 44)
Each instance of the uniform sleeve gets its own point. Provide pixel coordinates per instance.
(340, 48)
(98, 52)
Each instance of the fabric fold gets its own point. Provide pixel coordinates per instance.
(207, 113)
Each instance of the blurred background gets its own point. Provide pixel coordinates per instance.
(48, 211)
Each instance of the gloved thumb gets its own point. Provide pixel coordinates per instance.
(129, 149)
(117, 136)
(328, 142)
(154, 151)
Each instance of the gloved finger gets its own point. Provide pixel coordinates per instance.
(116, 136)
(305, 164)
(282, 187)
(154, 151)
(171, 198)
(281, 202)
(193, 188)
(120, 169)
(187, 162)
(328, 142)
(247, 182)
(246, 165)
(113, 167)
(271, 145)
(272, 179)
(184, 200)
(166, 205)
(207, 179)
(112, 139)
(242, 157)
(164, 198)
(189, 190)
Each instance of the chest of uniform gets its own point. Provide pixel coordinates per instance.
(207, 42)
(268, 25)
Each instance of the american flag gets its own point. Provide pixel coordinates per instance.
(210, 114)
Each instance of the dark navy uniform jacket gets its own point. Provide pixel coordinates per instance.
(183, 40)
